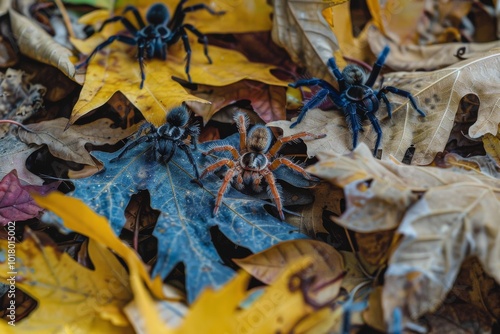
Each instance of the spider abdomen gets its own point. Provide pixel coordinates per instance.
(252, 161)
(158, 14)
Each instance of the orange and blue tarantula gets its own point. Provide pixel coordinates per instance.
(256, 160)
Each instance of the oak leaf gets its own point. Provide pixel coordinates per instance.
(70, 297)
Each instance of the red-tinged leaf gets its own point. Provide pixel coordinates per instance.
(16, 202)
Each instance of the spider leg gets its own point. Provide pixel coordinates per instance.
(273, 191)
(222, 148)
(277, 145)
(131, 146)
(381, 95)
(313, 82)
(290, 164)
(202, 6)
(140, 57)
(241, 120)
(336, 72)
(187, 47)
(353, 122)
(136, 13)
(178, 16)
(377, 67)
(189, 154)
(406, 94)
(312, 103)
(193, 131)
(378, 130)
(216, 165)
(120, 38)
(223, 188)
(126, 23)
(202, 38)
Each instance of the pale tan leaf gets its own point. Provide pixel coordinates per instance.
(35, 43)
(301, 28)
(425, 57)
(69, 144)
(444, 227)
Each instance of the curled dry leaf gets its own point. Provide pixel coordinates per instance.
(302, 29)
(69, 144)
(438, 94)
(35, 43)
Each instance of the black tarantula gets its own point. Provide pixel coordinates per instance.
(255, 160)
(168, 137)
(357, 99)
(160, 32)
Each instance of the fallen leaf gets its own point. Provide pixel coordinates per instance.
(301, 28)
(34, 42)
(267, 101)
(183, 233)
(70, 296)
(69, 144)
(16, 203)
(267, 265)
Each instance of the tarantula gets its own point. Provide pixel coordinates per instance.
(255, 160)
(168, 137)
(160, 32)
(357, 99)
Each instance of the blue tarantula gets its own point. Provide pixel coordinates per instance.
(355, 96)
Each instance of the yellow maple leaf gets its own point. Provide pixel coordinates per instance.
(71, 298)
(117, 69)
(96, 227)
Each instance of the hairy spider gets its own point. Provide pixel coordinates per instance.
(160, 32)
(357, 99)
(168, 137)
(255, 160)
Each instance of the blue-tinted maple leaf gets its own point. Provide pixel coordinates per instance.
(183, 227)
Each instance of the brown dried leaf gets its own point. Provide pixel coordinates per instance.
(13, 155)
(35, 43)
(438, 93)
(268, 101)
(305, 32)
(268, 265)
(70, 144)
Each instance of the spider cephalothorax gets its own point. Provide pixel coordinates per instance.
(165, 139)
(153, 39)
(256, 160)
(355, 96)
